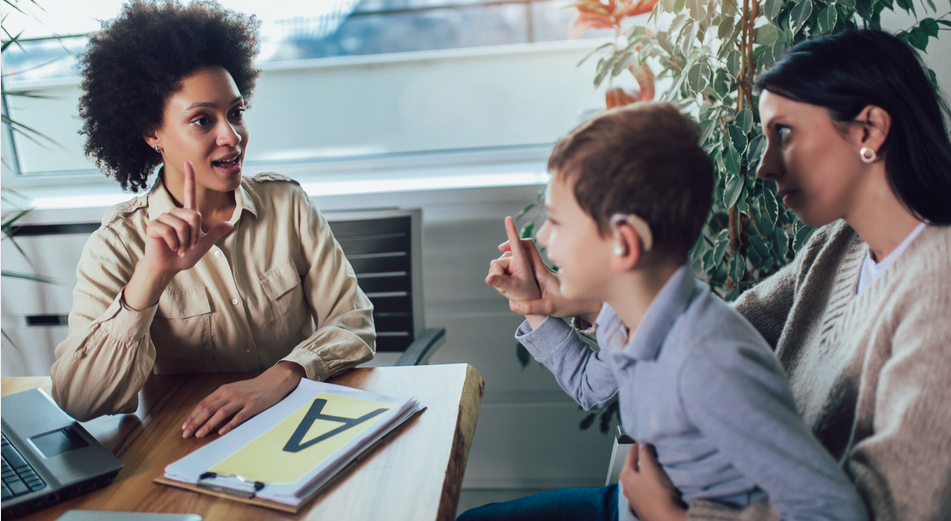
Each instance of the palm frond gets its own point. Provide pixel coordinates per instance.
(33, 277)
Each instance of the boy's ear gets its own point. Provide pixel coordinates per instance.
(626, 249)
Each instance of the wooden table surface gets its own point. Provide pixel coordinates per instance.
(416, 476)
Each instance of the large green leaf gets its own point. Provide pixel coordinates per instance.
(744, 120)
(759, 244)
(743, 203)
(737, 267)
(929, 26)
(907, 5)
(727, 7)
(777, 50)
(772, 8)
(726, 28)
(720, 246)
(918, 40)
(665, 44)
(738, 138)
(706, 130)
(698, 77)
(734, 187)
(757, 144)
(722, 83)
(803, 233)
(678, 23)
(697, 9)
(781, 242)
(771, 202)
(626, 60)
(734, 62)
(766, 35)
(799, 15)
(826, 20)
(687, 35)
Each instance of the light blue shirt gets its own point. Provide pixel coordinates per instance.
(700, 384)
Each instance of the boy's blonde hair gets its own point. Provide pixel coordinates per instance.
(644, 159)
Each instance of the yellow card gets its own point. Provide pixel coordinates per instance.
(293, 447)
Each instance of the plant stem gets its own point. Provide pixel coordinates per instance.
(746, 52)
(751, 62)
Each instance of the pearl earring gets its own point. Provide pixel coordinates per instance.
(619, 249)
(868, 155)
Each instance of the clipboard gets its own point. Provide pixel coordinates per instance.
(235, 488)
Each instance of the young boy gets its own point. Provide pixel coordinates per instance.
(629, 194)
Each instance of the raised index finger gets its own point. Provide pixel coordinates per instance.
(515, 243)
(190, 186)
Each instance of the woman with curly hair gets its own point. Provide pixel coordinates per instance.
(207, 271)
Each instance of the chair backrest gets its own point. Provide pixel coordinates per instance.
(385, 249)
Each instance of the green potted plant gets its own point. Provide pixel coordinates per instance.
(16, 205)
(706, 54)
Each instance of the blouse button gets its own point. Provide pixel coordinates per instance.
(247, 349)
(234, 302)
(217, 253)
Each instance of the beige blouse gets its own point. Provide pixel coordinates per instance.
(253, 300)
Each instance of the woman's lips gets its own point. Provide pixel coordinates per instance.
(786, 194)
(228, 167)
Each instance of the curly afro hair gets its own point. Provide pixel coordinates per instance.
(134, 65)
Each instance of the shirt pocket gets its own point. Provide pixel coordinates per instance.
(286, 311)
(181, 331)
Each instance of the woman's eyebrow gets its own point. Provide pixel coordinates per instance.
(209, 104)
(772, 120)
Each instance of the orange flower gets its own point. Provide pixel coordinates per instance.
(606, 14)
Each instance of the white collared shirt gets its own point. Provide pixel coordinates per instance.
(872, 270)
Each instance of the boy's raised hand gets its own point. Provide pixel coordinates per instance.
(549, 302)
(511, 274)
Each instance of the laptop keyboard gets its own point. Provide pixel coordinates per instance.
(18, 476)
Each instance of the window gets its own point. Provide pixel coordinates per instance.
(452, 88)
(55, 31)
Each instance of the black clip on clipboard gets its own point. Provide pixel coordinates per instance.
(254, 486)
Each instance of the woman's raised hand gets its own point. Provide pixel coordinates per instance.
(174, 242)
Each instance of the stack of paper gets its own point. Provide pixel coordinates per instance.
(288, 452)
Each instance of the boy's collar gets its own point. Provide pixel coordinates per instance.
(645, 342)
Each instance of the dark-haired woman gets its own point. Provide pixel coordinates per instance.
(208, 271)
(861, 320)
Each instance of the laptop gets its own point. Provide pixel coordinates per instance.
(48, 456)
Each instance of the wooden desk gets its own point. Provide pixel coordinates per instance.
(415, 476)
